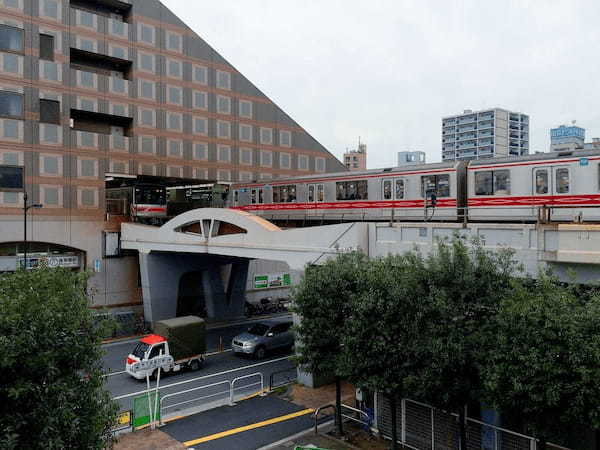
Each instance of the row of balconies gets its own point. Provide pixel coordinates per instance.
(468, 119)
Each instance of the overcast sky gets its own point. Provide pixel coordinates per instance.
(388, 70)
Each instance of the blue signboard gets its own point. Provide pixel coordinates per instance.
(584, 161)
(565, 132)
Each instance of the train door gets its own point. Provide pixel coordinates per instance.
(542, 181)
(316, 193)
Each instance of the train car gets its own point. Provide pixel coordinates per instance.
(514, 189)
(381, 194)
(141, 201)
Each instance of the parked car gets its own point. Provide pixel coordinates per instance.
(264, 336)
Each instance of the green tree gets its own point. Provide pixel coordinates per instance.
(322, 300)
(383, 332)
(543, 364)
(52, 393)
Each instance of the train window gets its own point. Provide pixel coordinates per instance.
(399, 189)
(387, 189)
(438, 184)
(253, 196)
(284, 194)
(562, 180)
(261, 198)
(501, 182)
(541, 181)
(352, 190)
(236, 197)
(311, 193)
(484, 183)
(492, 182)
(150, 195)
(320, 193)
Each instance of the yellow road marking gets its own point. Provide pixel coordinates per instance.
(252, 426)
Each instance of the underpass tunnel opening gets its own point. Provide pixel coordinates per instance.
(190, 295)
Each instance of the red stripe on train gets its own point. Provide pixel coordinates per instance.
(382, 204)
(550, 200)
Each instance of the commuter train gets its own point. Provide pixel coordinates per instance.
(501, 189)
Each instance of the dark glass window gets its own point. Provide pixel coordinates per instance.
(438, 184)
(49, 111)
(562, 180)
(492, 182)
(351, 190)
(47, 47)
(258, 329)
(11, 104)
(11, 39)
(150, 195)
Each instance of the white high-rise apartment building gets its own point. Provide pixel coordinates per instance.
(485, 134)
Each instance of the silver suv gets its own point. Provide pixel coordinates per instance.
(264, 336)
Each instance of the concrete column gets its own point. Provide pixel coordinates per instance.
(160, 280)
(225, 301)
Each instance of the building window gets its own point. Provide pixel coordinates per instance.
(50, 196)
(174, 121)
(302, 162)
(147, 34)
(245, 132)
(320, 164)
(351, 190)
(10, 159)
(246, 156)
(200, 100)
(175, 95)
(285, 138)
(175, 149)
(49, 133)
(87, 79)
(266, 158)
(11, 39)
(223, 129)
(11, 104)
(147, 144)
(200, 74)
(119, 167)
(47, 47)
(266, 136)
(87, 197)
(147, 89)
(200, 125)
(146, 62)
(285, 160)
(87, 168)
(223, 80)
(173, 42)
(49, 71)
(86, 19)
(50, 165)
(223, 175)
(245, 109)
(200, 151)
(201, 174)
(223, 105)
(11, 63)
(174, 171)
(492, 182)
(49, 8)
(146, 169)
(174, 68)
(87, 44)
(147, 117)
(86, 104)
(224, 153)
(49, 111)
(245, 176)
(118, 52)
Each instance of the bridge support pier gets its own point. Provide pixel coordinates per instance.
(223, 290)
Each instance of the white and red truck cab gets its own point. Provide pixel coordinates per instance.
(179, 345)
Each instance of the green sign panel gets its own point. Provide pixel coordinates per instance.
(141, 411)
(272, 280)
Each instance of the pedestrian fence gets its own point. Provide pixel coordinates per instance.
(282, 377)
(230, 390)
(348, 413)
(422, 427)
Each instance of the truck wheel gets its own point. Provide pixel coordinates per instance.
(195, 365)
(260, 352)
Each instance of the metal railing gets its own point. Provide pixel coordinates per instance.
(424, 427)
(359, 412)
(318, 411)
(252, 375)
(288, 380)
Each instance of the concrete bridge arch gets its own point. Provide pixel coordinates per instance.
(200, 258)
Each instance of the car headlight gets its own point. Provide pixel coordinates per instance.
(247, 344)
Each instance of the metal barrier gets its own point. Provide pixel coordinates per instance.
(358, 411)
(316, 415)
(289, 380)
(252, 375)
(161, 408)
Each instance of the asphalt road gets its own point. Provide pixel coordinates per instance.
(114, 359)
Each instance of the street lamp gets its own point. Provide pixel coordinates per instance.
(26, 208)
